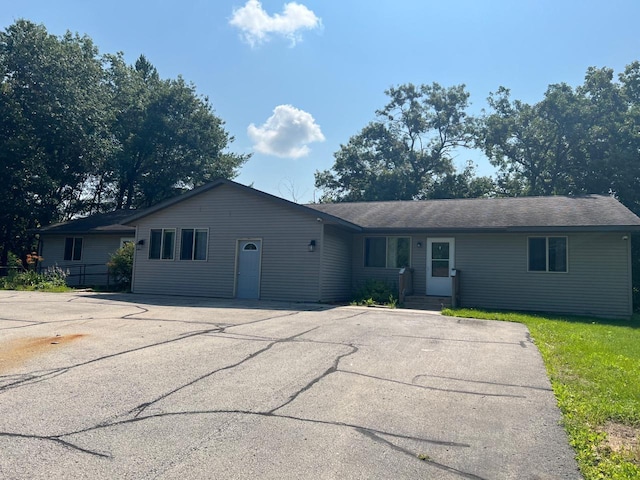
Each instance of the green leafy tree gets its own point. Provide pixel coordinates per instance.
(167, 138)
(533, 145)
(405, 151)
(574, 141)
(52, 124)
(82, 133)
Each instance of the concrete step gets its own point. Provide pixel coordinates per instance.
(424, 302)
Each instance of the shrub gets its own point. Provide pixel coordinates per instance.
(121, 265)
(51, 279)
(376, 292)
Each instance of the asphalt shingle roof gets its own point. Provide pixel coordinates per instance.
(584, 212)
(98, 223)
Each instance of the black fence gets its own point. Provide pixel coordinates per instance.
(78, 274)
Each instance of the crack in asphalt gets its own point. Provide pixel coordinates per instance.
(463, 340)
(137, 411)
(333, 368)
(397, 448)
(221, 331)
(425, 387)
(268, 414)
(66, 369)
(62, 370)
(515, 385)
(56, 439)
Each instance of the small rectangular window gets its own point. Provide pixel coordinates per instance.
(201, 242)
(186, 244)
(73, 248)
(375, 252)
(557, 254)
(161, 243)
(155, 243)
(193, 244)
(548, 254)
(387, 252)
(168, 240)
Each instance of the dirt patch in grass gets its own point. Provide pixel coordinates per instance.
(623, 440)
(16, 352)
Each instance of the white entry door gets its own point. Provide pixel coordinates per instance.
(248, 274)
(440, 261)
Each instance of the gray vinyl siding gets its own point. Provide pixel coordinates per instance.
(288, 270)
(336, 265)
(91, 269)
(494, 274)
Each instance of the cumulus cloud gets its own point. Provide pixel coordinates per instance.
(286, 133)
(257, 26)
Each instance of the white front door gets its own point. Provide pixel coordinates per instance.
(440, 262)
(248, 274)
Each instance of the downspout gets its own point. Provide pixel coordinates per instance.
(321, 266)
(629, 239)
(135, 256)
(39, 249)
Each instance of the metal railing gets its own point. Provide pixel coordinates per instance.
(83, 274)
(405, 283)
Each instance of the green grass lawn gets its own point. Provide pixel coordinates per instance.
(594, 367)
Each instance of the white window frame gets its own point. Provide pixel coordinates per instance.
(193, 245)
(546, 270)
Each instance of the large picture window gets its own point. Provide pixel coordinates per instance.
(548, 254)
(387, 252)
(193, 244)
(161, 243)
(73, 248)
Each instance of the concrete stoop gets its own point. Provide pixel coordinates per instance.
(424, 302)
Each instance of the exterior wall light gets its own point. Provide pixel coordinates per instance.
(312, 245)
(419, 244)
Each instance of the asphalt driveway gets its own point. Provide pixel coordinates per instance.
(128, 386)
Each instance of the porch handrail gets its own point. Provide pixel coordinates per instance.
(405, 283)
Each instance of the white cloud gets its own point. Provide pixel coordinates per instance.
(286, 133)
(257, 26)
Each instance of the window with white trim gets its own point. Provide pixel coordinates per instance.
(162, 243)
(193, 243)
(73, 248)
(548, 254)
(387, 252)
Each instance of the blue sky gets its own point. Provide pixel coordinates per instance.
(294, 80)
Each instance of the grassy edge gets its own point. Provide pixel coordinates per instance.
(595, 460)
